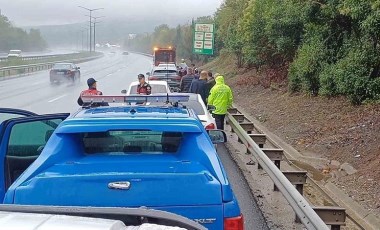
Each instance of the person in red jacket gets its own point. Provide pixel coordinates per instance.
(143, 88)
(91, 91)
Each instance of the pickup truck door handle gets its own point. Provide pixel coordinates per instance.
(120, 185)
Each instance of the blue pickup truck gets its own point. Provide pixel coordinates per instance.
(159, 157)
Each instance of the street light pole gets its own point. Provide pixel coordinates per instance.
(96, 22)
(90, 10)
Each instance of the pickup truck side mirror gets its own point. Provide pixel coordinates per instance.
(211, 108)
(124, 91)
(78, 67)
(147, 73)
(217, 136)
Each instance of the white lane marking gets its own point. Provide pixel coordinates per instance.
(57, 98)
(109, 74)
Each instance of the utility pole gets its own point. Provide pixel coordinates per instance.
(95, 22)
(90, 10)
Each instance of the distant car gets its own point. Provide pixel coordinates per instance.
(125, 53)
(14, 54)
(61, 72)
(166, 73)
(157, 87)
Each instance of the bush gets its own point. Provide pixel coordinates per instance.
(304, 71)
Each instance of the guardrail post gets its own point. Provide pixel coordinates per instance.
(334, 216)
(297, 178)
(259, 139)
(275, 155)
(232, 111)
(239, 117)
(247, 126)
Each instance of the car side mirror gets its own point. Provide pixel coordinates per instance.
(147, 73)
(124, 91)
(78, 67)
(211, 108)
(217, 136)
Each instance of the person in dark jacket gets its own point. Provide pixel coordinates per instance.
(186, 81)
(210, 82)
(199, 86)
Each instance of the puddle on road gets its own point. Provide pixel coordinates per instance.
(314, 173)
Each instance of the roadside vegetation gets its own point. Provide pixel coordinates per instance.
(15, 38)
(328, 48)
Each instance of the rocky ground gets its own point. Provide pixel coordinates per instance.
(347, 135)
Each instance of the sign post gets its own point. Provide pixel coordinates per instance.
(203, 40)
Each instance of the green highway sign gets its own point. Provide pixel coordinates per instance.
(203, 39)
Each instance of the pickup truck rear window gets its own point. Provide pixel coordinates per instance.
(131, 142)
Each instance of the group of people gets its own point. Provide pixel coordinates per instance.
(212, 89)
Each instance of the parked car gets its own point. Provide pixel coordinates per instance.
(61, 72)
(157, 87)
(153, 156)
(196, 103)
(14, 54)
(90, 218)
(166, 73)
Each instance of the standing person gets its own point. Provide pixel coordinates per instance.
(91, 91)
(143, 88)
(199, 86)
(210, 82)
(186, 81)
(221, 97)
(196, 73)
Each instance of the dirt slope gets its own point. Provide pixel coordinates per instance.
(321, 127)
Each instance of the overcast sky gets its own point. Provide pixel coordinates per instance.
(51, 12)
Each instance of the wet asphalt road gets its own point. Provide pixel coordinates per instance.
(253, 217)
(114, 72)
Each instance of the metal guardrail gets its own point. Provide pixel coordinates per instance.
(36, 57)
(311, 217)
(25, 69)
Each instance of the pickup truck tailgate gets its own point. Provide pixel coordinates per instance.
(184, 188)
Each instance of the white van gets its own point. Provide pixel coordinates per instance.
(14, 54)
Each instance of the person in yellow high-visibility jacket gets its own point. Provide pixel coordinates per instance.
(221, 98)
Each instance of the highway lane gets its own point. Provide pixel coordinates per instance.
(35, 93)
(114, 73)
